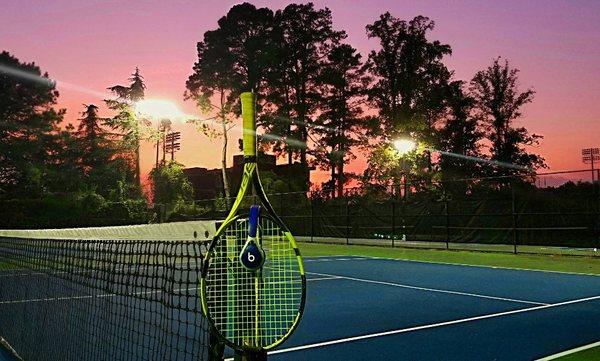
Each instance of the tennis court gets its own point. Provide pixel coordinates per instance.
(357, 308)
(360, 308)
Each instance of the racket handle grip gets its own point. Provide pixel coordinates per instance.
(253, 220)
(249, 123)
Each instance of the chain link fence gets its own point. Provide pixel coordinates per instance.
(548, 213)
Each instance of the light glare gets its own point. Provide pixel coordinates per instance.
(159, 109)
(404, 146)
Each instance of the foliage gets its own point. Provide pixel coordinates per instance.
(460, 136)
(71, 210)
(28, 127)
(498, 104)
(213, 76)
(407, 88)
(340, 125)
(170, 185)
(131, 129)
(184, 211)
(302, 39)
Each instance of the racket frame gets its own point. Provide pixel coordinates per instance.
(250, 176)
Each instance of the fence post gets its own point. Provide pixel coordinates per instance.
(312, 219)
(347, 221)
(447, 223)
(596, 189)
(393, 223)
(514, 215)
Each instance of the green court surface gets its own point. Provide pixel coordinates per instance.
(588, 265)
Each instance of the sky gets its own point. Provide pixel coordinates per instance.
(95, 44)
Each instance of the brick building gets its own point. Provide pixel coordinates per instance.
(208, 183)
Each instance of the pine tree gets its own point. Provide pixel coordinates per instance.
(28, 127)
(131, 128)
(339, 125)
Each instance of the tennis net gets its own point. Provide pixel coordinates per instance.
(110, 293)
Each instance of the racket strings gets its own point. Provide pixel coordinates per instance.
(255, 309)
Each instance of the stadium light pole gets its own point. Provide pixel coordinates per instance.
(591, 156)
(158, 110)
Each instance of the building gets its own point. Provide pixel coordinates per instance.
(208, 183)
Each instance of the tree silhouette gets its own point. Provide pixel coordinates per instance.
(339, 124)
(245, 33)
(28, 127)
(302, 38)
(498, 104)
(214, 77)
(98, 154)
(131, 128)
(408, 82)
(460, 135)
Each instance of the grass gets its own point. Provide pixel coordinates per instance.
(585, 355)
(589, 265)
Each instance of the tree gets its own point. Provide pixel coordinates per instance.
(339, 124)
(498, 104)
(131, 129)
(460, 136)
(408, 82)
(98, 155)
(28, 126)
(302, 38)
(170, 185)
(213, 77)
(245, 33)
(65, 174)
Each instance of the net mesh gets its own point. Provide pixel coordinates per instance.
(103, 299)
(254, 309)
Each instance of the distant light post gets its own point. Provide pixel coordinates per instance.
(591, 156)
(160, 109)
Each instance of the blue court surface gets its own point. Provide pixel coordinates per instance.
(365, 308)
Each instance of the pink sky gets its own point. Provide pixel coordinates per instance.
(96, 44)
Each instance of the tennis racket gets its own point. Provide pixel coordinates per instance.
(253, 284)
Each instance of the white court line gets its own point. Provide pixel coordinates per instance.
(332, 259)
(434, 325)
(568, 352)
(430, 289)
(323, 278)
(102, 295)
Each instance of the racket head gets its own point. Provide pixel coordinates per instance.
(253, 310)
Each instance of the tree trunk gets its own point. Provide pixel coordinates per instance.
(333, 180)
(340, 180)
(138, 177)
(224, 151)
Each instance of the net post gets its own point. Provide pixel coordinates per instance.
(216, 347)
(251, 356)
